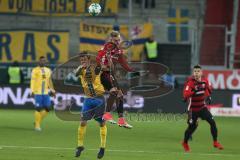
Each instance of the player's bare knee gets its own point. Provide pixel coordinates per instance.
(113, 93)
(102, 124)
(114, 89)
(83, 123)
(38, 109)
(47, 109)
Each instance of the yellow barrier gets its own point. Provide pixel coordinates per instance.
(55, 7)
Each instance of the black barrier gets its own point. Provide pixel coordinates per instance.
(18, 97)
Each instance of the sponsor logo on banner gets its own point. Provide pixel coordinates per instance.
(28, 45)
(20, 96)
(225, 112)
(223, 79)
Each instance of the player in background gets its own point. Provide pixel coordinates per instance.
(107, 57)
(41, 89)
(197, 92)
(94, 103)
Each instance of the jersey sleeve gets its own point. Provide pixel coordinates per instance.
(100, 56)
(123, 62)
(188, 90)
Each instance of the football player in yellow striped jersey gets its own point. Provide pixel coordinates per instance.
(41, 86)
(94, 102)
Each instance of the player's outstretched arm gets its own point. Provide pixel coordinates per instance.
(97, 70)
(78, 71)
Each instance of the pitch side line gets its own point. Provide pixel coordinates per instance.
(115, 150)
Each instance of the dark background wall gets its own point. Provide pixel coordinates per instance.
(176, 56)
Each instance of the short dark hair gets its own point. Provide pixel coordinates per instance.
(197, 67)
(83, 54)
(42, 57)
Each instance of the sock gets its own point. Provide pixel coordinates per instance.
(44, 113)
(103, 135)
(81, 133)
(38, 119)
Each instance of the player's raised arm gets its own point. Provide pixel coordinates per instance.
(123, 62)
(78, 71)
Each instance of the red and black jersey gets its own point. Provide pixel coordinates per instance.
(196, 92)
(116, 55)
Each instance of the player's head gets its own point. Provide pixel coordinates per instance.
(197, 72)
(42, 61)
(84, 58)
(151, 38)
(115, 37)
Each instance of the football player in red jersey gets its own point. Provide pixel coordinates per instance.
(197, 92)
(107, 57)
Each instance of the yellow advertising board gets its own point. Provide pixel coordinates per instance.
(28, 46)
(56, 7)
(93, 36)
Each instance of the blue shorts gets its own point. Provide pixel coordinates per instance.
(93, 108)
(42, 101)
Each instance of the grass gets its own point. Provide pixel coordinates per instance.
(153, 140)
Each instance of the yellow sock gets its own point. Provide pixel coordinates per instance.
(38, 119)
(43, 113)
(103, 135)
(81, 133)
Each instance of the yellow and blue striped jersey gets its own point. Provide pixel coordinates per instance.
(41, 81)
(91, 82)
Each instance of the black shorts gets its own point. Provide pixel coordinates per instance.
(204, 114)
(108, 81)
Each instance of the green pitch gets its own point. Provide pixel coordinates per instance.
(146, 141)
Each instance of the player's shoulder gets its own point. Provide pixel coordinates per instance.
(35, 69)
(48, 69)
(189, 79)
